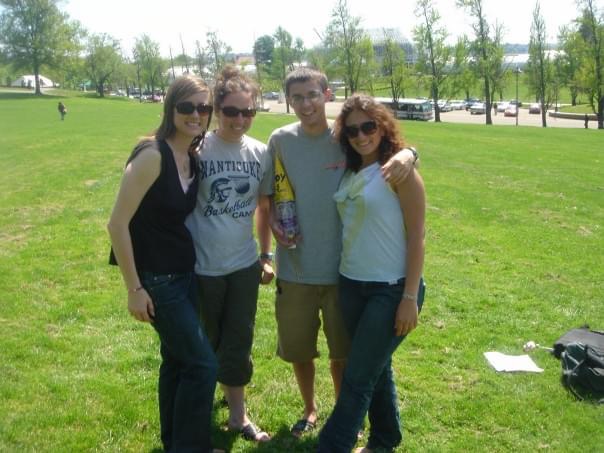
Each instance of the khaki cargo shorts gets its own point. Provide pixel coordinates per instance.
(299, 309)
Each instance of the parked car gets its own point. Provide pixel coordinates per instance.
(457, 105)
(477, 108)
(444, 106)
(469, 101)
(502, 105)
(511, 110)
(516, 102)
(535, 107)
(271, 95)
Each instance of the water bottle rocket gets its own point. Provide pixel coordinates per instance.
(285, 202)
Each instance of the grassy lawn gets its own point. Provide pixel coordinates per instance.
(515, 252)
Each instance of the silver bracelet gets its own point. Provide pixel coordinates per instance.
(409, 296)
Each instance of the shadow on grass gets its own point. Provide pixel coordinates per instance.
(12, 95)
(283, 441)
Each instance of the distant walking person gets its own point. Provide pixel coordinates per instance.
(62, 110)
(586, 121)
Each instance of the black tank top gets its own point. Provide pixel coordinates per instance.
(161, 242)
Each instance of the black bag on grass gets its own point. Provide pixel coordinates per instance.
(583, 371)
(592, 338)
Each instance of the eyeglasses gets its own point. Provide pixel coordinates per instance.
(367, 128)
(187, 107)
(233, 112)
(311, 96)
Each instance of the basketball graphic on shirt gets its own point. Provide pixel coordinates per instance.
(241, 183)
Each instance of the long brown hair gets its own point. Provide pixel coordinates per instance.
(180, 89)
(391, 142)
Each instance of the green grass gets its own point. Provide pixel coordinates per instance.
(515, 252)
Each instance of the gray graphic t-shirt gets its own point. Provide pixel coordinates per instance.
(231, 177)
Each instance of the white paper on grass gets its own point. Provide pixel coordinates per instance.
(504, 362)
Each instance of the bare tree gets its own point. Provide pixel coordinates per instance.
(200, 58)
(217, 51)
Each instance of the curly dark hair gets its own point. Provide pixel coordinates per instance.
(391, 142)
(232, 80)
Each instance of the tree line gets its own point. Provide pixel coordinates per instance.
(36, 36)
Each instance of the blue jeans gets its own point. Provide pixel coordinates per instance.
(187, 375)
(369, 310)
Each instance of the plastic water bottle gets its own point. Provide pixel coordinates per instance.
(285, 203)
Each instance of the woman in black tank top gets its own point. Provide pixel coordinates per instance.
(155, 254)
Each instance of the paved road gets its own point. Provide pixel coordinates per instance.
(461, 116)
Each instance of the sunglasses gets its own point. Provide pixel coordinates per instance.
(187, 107)
(367, 128)
(312, 96)
(233, 112)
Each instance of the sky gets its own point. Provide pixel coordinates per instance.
(240, 22)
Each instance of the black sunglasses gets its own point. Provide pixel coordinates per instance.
(367, 128)
(233, 112)
(187, 107)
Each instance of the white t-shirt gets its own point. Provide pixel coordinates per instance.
(374, 245)
(231, 177)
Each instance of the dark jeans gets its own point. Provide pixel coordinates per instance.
(187, 375)
(369, 310)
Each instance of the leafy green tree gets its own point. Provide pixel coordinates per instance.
(319, 58)
(464, 78)
(34, 34)
(394, 66)
(368, 70)
(486, 49)
(343, 38)
(433, 54)
(571, 45)
(284, 57)
(592, 31)
(263, 50)
(103, 60)
(264, 47)
(540, 67)
(150, 66)
(298, 51)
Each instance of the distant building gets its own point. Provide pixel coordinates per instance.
(378, 37)
(520, 60)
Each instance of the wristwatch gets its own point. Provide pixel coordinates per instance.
(415, 154)
(267, 256)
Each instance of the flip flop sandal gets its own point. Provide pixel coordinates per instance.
(302, 426)
(251, 432)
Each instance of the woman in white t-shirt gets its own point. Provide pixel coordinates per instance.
(381, 290)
